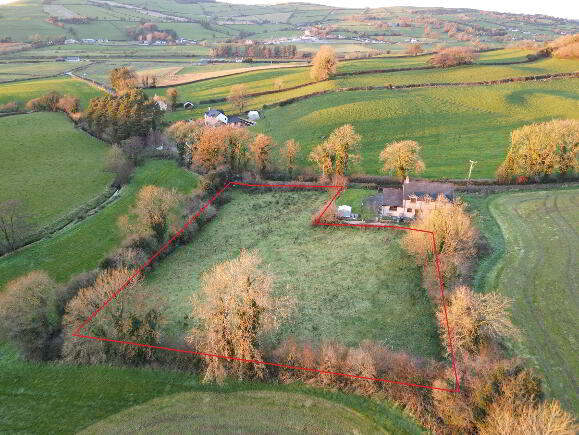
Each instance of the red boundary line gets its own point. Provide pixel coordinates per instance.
(340, 189)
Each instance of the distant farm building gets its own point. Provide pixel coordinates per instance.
(253, 115)
(413, 198)
(161, 103)
(215, 117)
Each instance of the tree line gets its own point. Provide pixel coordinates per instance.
(259, 51)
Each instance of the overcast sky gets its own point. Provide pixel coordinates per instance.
(556, 8)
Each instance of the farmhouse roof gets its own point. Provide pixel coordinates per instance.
(392, 196)
(213, 113)
(422, 189)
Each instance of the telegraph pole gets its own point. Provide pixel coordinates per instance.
(472, 163)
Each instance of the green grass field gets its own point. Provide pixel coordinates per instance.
(539, 270)
(453, 125)
(467, 73)
(81, 247)
(53, 167)
(57, 398)
(26, 90)
(349, 284)
(15, 71)
(256, 412)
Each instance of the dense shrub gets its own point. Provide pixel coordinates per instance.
(474, 319)
(11, 106)
(453, 56)
(29, 316)
(542, 149)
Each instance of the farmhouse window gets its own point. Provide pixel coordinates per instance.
(393, 208)
(409, 210)
(413, 200)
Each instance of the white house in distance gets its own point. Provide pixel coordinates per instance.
(215, 116)
(413, 198)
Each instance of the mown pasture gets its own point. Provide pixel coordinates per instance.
(241, 412)
(349, 284)
(26, 90)
(81, 247)
(50, 166)
(453, 125)
(61, 398)
(539, 271)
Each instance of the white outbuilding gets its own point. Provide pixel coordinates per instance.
(253, 115)
(344, 211)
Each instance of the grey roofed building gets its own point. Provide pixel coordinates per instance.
(392, 196)
(214, 113)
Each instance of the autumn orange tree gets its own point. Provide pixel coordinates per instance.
(335, 154)
(235, 307)
(542, 149)
(453, 228)
(260, 150)
(289, 153)
(223, 145)
(402, 157)
(324, 64)
(123, 79)
(154, 213)
(185, 134)
(132, 316)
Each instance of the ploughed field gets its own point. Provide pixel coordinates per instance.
(349, 284)
(540, 271)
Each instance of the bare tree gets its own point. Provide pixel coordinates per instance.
(237, 96)
(14, 225)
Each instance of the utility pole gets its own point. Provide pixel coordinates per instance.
(472, 163)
